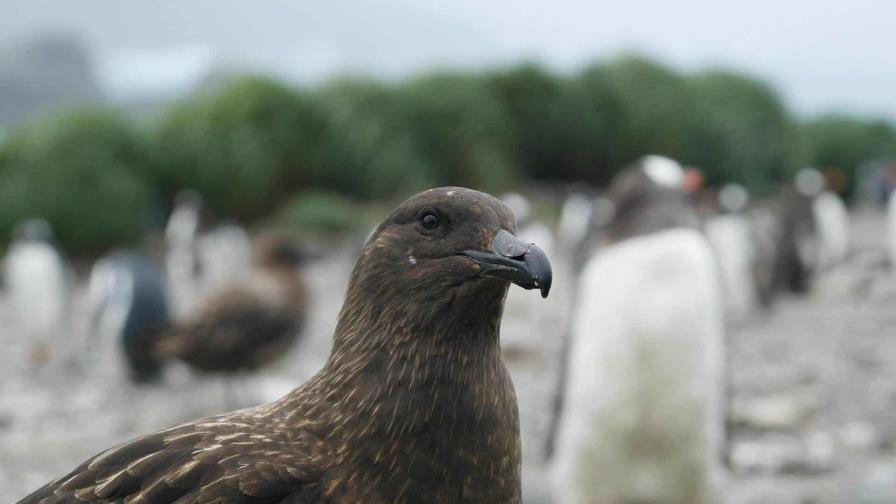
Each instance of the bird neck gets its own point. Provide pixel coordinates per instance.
(417, 394)
(416, 337)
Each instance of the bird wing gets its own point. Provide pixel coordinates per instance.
(220, 461)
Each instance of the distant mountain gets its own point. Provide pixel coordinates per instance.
(44, 73)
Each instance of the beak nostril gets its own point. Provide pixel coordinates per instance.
(510, 246)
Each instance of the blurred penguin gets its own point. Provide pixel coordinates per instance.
(652, 195)
(641, 416)
(764, 226)
(181, 257)
(38, 284)
(201, 261)
(128, 303)
(573, 226)
(796, 242)
(225, 256)
(832, 224)
(731, 239)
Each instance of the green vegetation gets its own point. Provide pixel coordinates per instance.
(243, 147)
(741, 132)
(251, 145)
(322, 212)
(86, 172)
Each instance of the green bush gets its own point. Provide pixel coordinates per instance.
(369, 154)
(244, 147)
(322, 212)
(84, 173)
(440, 129)
(588, 110)
(649, 112)
(741, 132)
(457, 130)
(540, 127)
(251, 144)
(599, 120)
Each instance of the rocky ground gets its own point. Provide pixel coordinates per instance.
(813, 387)
(813, 390)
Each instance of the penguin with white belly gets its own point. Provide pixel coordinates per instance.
(641, 418)
(38, 282)
(201, 259)
(128, 303)
(575, 215)
(181, 255)
(812, 233)
(729, 233)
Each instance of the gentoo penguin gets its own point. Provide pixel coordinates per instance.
(201, 260)
(181, 258)
(731, 239)
(764, 224)
(575, 214)
(832, 225)
(642, 415)
(796, 240)
(128, 302)
(649, 196)
(38, 284)
(225, 256)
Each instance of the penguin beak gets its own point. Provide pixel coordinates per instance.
(514, 259)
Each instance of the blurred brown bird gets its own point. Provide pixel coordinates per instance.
(413, 405)
(245, 326)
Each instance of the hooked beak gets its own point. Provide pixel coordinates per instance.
(514, 259)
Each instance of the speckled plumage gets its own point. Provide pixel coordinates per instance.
(413, 405)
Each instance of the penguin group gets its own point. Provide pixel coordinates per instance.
(217, 301)
(666, 265)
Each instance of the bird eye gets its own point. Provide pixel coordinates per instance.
(429, 220)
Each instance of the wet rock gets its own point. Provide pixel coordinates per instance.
(858, 435)
(785, 455)
(773, 413)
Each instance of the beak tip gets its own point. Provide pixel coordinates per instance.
(540, 267)
(542, 283)
(545, 288)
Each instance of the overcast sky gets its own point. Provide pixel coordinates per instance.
(821, 55)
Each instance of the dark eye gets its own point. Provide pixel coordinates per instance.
(429, 220)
